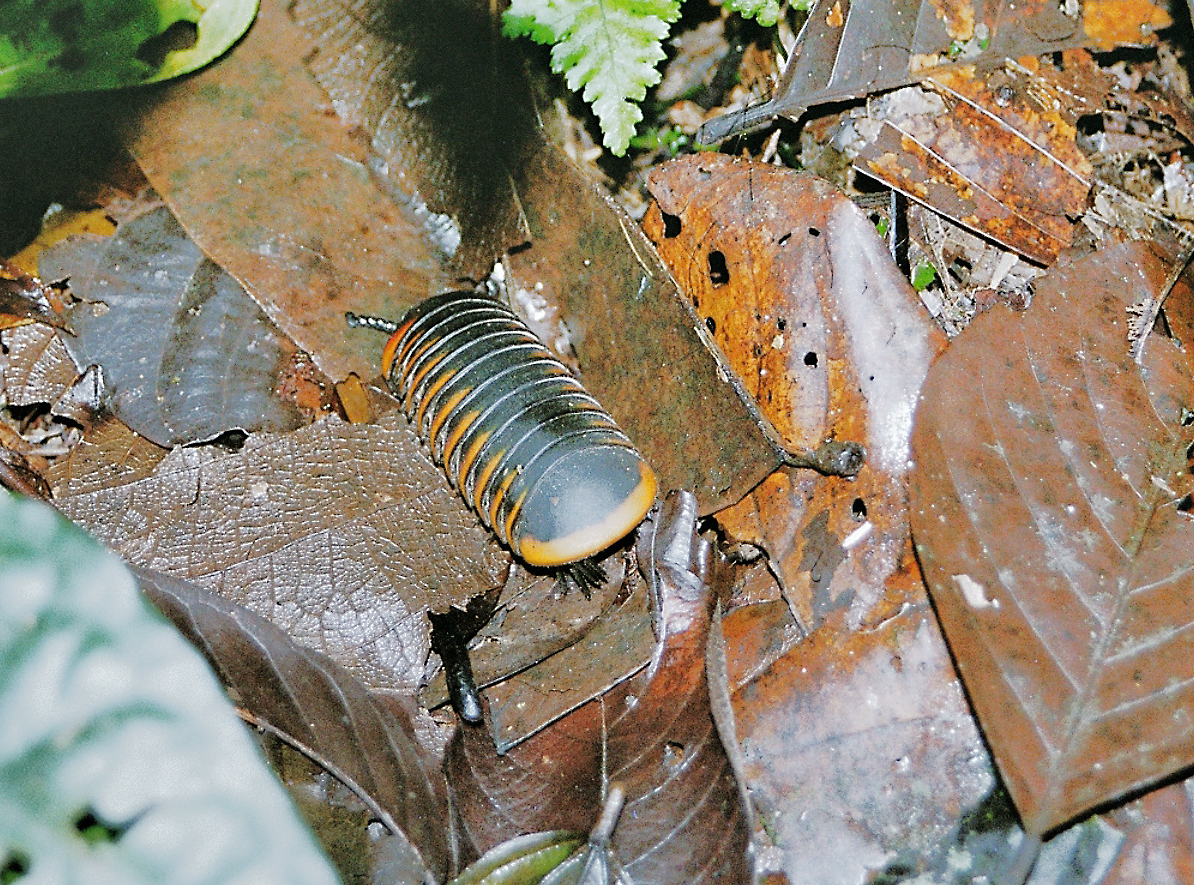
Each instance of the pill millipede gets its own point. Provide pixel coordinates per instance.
(543, 465)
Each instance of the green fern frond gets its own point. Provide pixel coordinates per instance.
(765, 12)
(607, 50)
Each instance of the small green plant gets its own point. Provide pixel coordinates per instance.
(923, 275)
(609, 50)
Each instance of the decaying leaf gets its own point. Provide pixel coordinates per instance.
(366, 740)
(443, 103)
(797, 288)
(22, 299)
(304, 223)
(579, 648)
(1051, 512)
(1158, 846)
(185, 354)
(343, 535)
(857, 746)
(993, 151)
(684, 819)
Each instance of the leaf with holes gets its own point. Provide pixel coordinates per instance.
(1051, 513)
(798, 290)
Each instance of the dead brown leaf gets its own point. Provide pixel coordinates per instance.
(857, 745)
(268, 184)
(1050, 511)
(1159, 838)
(367, 741)
(315, 222)
(852, 48)
(186, 354)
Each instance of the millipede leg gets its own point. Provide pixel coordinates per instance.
(381, 324)
(586, 575)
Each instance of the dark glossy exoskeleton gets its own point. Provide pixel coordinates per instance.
(538, 459)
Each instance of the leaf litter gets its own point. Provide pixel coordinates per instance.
(906, 607)
(797, 288)
(164, 322)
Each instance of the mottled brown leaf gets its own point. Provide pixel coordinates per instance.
(1051, 516)
(186, 355)
(797, 288)
(367, 741)
(340, 534)
(22, 298)
(993, 151)
(684, 819)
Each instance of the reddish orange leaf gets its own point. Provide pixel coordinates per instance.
(797, 288)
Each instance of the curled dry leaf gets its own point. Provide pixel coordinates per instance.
(1051, 512)
(367, 741)
(340, 534)
(799, 291)
(684, 819)
(186, 355)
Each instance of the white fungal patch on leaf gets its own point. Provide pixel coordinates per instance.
(974, 592)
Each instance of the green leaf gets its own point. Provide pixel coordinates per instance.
(53, 46)
(523, 860)
(765, 12)
(606, 49)
(923, 275)
(120, 759)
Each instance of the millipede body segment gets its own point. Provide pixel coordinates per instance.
(538, 459)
